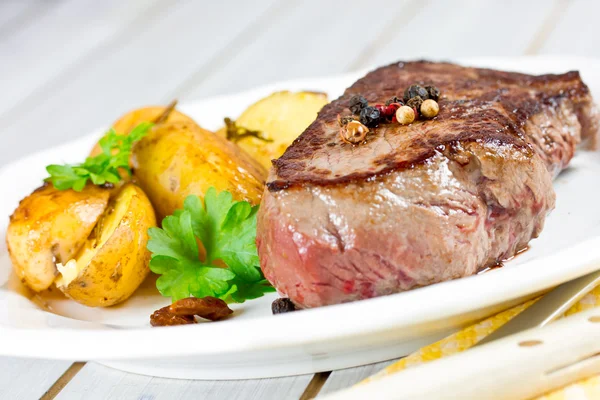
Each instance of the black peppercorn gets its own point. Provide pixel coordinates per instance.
(414, 91)
(394, 100)
(357, 103)
(282, 305)
(415, 103)
(369, 116)
(434, 92)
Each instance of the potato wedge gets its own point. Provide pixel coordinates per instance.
(127, 122)
(51, 226)
(179, 158)
(282, 117)
(113, 262)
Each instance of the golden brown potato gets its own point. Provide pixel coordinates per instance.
(51, 226)
(114, 260)
(179, 158)
(282, 117)
(127, 122)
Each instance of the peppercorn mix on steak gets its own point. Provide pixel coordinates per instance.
(412, 205)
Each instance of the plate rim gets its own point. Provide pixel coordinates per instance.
(335, 322)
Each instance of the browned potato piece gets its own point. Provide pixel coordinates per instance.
(51, 226)
(146, 114)
(179, 158)
(281, 117)
(113, 262)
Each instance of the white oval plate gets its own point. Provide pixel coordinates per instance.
(254, 343)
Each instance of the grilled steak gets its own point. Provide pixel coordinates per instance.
(424, 203)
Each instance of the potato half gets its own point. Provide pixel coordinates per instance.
(51, 226)
(282, 117)
(114, 260)
(179, 158)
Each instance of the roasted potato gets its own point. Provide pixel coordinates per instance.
(127, 122)
(50, 226)
(281, 117)
(179, 158)
(113, 260)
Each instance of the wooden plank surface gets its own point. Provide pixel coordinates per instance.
(25, 379)
(72, 65)
(451, 29)
(95, 381)
(308, 38)
(11, 11)
(344, 378)
(17, 13)
(78, 27)
(577, 31)
(139, 66)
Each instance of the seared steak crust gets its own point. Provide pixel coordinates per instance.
(424, 203)
(478, 105)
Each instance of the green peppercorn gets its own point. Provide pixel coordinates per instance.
(369, 116)
(394, 100)
(414, 91)
(357, 103)
(434, 92)
(415, 102)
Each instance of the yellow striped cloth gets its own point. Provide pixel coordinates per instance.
(583, 390)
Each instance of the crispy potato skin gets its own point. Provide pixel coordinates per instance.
(51, 225)
(179, 158)
(127, 122)
(282, 117)
(119, 265)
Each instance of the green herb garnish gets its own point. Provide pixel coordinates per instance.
(103, 168)
(236, 133)
(227, 231)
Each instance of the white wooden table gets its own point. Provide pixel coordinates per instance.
(67, 66)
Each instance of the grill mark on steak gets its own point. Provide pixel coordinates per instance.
(477, 105)
(426, 203)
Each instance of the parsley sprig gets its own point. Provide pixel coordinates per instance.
(227, 231)
(102, 168)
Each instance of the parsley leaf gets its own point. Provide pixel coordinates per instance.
(227, 231)
(102, 168)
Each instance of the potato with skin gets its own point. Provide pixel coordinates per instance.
(50, 226)
(179, 158)
(114, 260)
(127, 122)
(281, 117)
